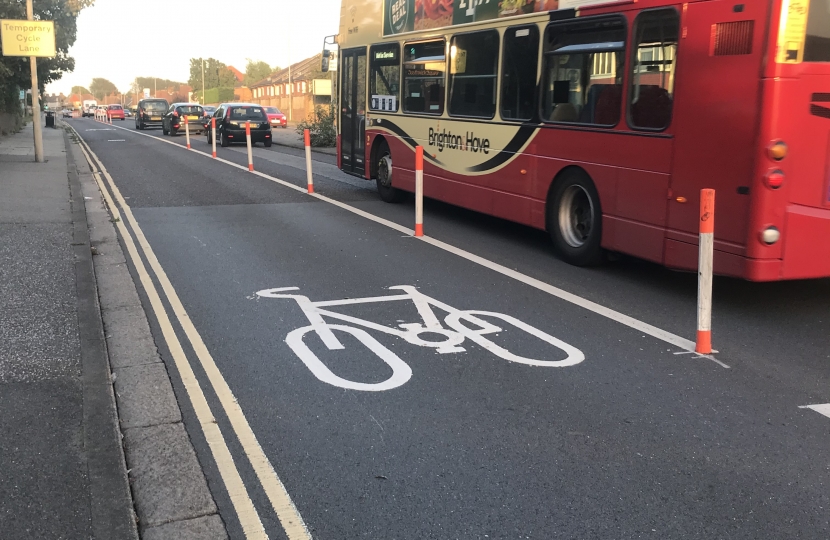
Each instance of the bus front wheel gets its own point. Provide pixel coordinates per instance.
(574, 219)
(384, 177)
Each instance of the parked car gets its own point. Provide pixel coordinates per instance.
(174, 120)
(230, 124)
(67, 113)
(116, 112)
(276, 118)
(151, 112)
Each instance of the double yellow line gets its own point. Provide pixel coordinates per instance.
(287, 513)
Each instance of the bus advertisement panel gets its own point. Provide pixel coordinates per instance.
(411, 15)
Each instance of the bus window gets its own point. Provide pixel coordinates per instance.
(584, 72)
(384, 77)
(653, 67)
(473, 63)
(424, 67)
(817, 43)
(520, 65)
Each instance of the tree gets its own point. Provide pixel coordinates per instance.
(80, 90)
(14, 70)
(217, 74)
(101, 88)
(256, 71)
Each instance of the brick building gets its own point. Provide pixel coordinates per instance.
(307, 88)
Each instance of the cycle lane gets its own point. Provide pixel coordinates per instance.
(639, 436)
(632, 439)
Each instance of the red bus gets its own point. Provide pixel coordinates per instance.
(601, 123)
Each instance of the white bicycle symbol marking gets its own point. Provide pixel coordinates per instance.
(411, 332)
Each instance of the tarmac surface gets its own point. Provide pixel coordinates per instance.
(536, 400)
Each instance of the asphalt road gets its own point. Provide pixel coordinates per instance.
(638, 440)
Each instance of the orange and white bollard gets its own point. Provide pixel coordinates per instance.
(706, 252)
(250, 152)
(213, 134)
(187, 132)
(419, 191)
(307, 141)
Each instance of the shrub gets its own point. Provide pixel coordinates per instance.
(320, 125)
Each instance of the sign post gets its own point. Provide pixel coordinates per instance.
(30, 38)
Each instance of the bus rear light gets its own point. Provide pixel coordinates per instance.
(777, 151)
(774, 179)
(770, 235)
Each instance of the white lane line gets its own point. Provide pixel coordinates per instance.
(116, 140)
(290, 518)
(241, 501)
(609, 313)
(822, 408)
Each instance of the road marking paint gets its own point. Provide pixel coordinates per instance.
(290, 518)
(584, 303)
(453, 336)
(101, 129)
(822, 408)
(244, 507)
(116, 140)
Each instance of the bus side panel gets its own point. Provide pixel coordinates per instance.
(716, 116)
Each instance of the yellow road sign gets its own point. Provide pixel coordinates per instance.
(27, 38)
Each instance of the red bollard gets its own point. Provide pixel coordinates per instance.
(307, 140)
(250, 152)
(419, 191)
(706, 251)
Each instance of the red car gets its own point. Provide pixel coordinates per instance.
(275, 117)
(115, 112)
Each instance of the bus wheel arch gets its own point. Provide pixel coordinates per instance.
(381, 171)
(573, 217)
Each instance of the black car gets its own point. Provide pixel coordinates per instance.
(173, 121)
(150, 112)
(230, 124)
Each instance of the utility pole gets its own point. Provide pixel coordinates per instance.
(290, 83)
(155, 87)
(35, 101)
(203, 81)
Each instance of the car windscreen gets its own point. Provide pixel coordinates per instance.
(190, 109)
(247, 113)
(115, 107)
(272, 110)
(156, 106)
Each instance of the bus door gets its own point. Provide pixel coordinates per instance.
(353, 112)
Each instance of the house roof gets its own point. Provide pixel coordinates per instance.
(236, 73)
(302, 70)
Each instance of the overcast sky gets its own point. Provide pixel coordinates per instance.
(120, 40)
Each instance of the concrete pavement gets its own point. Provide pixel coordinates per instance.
(60, 452)
(81, 382)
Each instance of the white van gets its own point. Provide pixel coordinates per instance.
(88, 107)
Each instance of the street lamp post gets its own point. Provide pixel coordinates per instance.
(203, 82)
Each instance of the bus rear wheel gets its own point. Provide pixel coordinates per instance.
(384, 177)
(574, 219)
